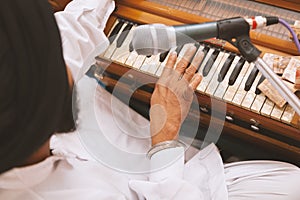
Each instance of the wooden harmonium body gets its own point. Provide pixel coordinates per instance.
(227, 77)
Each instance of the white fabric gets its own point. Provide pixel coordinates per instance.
(265, 180)
(74, 172)
(174, 167)
(81, 25)
(201, 178)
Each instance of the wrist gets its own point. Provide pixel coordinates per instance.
(167, 133)
(162, 137)
(165, 145)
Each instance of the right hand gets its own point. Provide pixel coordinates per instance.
(173, 95)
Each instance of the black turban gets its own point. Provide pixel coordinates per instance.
(35, 94)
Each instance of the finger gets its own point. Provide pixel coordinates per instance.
(189, 73)
(191, 70)
(186, 59)
(197, 58)
(170, 64)
(196, 80)
(171, 60)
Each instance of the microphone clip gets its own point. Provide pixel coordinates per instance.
(236, 32)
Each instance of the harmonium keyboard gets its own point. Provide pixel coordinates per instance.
(227, 77)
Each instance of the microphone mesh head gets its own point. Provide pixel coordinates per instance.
(153, 39)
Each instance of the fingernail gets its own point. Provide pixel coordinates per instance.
(199, 76)
(173, 53)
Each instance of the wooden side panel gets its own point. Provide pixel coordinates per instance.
(288, 4)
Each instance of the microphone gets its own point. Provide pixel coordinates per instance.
(153, 39)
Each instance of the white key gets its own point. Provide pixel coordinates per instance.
(113, 26)
(111, 49)
(222, 87)
(205, 80)
(163, 64)
(212, 86)
(154, 65)
(277, 112)
(258, 103)
(182, 52)
(250, 96)
(145, 65)
(139, 61)
(288, 114)
(159, 70)
(131, 58)
(233, 92)
(201, 47)
(122, 53)
(267, 108)
(241, 93)
(151, 64)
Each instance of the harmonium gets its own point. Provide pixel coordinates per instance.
(252, 124)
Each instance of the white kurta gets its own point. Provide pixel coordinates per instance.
(85, 167)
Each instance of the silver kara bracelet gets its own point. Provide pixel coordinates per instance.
(164, 145)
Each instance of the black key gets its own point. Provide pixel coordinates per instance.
(251, 79)
(123, 35)
(225, 67)
(178, 49)
(236, 71)
(163, 56)
(261, 79)
(210, 62)
(130, 47)
(205, 50)
(115, 32)
(197, 45)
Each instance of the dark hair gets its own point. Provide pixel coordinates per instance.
(33, 81)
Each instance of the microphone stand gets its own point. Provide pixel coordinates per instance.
(277, 83)
(236, 32)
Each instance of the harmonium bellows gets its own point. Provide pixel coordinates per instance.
(227, 77)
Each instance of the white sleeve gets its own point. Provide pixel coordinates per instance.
(81, 26)
(166, 182)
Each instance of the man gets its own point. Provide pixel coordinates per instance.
(36, 103)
